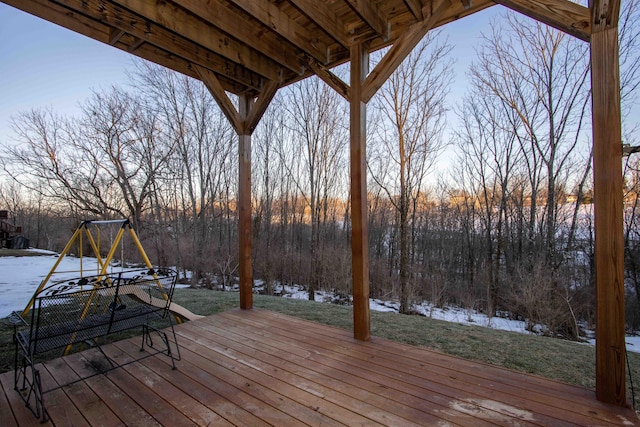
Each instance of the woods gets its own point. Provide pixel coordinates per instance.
(506, 230)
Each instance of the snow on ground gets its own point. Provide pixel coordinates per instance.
(447, 314)
(21, 276)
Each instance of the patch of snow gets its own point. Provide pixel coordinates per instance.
(21, 276)
(380, 305)
(633, 343)
(470, 317)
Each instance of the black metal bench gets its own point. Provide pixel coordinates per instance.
(79, 311)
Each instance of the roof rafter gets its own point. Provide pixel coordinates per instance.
(563, 15)
(325, 19)
(370, 13)
(402, 47)
(218, 14)
(178, 20)
(127, 22)
(271, 16)
(415, 6)
(115, 35)
(136, 44)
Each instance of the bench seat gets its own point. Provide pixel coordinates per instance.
(84, 310)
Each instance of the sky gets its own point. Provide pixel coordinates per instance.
(46, 66)
(43, 65)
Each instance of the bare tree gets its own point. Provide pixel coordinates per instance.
(413, 104)
(316, 115)
(268, 136)
(541, 74)
(202, 138)
(102, 164)
(489, 156)
(121, 139)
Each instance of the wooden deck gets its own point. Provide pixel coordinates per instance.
(258, 368)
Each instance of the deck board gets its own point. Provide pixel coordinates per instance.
(80, 395)
(260, 368)
(489, 384)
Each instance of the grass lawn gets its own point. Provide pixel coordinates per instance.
(21, 252)
(548, 357)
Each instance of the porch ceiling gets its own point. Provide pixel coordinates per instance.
(249, 45)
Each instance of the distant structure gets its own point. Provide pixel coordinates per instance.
(11, 235)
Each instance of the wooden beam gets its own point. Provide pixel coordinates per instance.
(324, 18)
(608, 208)
(244, 211)
(135, 45)
(403, 47)
(466, 4)
(358, 183)
(370, 14)
(330, 79)
(124, 21)
(457, 10)
(244, 120)
(217, 91)
(272, 17)
(563, 15)
(115, 35)
(169, 16)
(250, 33)
(260, 106)
(604, 14)
(415, 6)
(167, 59)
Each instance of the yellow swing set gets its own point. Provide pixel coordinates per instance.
(103, 264)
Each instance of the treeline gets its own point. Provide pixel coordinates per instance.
(506, 230)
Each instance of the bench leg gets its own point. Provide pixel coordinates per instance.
(30, 389)
(146, 337)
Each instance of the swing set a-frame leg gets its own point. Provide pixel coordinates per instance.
(64, 252)
(103, 264)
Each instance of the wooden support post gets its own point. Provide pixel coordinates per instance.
(609, 239)
(244, 209)
(359, 220)
(243, 120)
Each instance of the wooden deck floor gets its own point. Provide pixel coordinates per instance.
(261, 368)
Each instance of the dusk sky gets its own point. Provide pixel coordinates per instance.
(46, 66)
(43, 65)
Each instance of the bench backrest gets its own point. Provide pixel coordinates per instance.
(77, 310)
